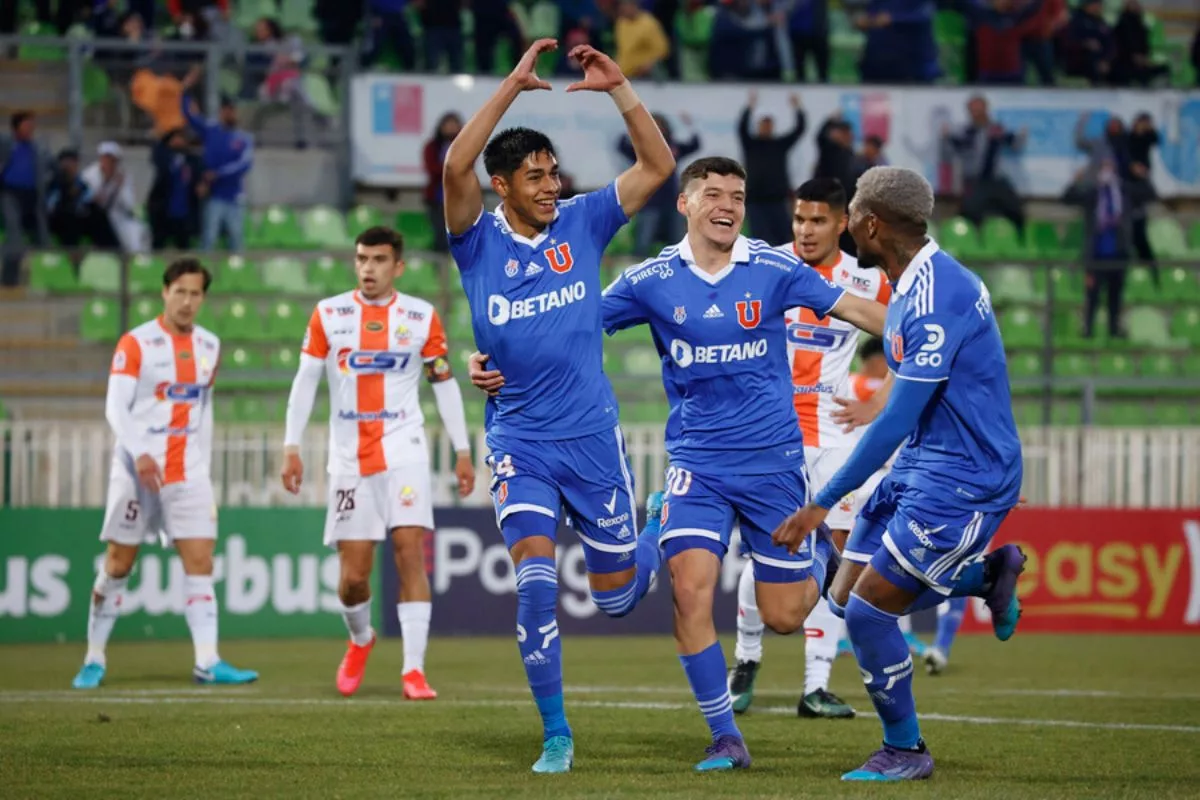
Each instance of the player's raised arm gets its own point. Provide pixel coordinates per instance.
(654, 162)
(461, 191)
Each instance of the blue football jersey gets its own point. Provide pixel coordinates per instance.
(723, 343)
(535, 310)
(940, 327)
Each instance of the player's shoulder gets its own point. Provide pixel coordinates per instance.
(661, 266)
(762, 254)
(417, 309)
(936, 283)
(582, 199)
(341, 304)
(205, 338)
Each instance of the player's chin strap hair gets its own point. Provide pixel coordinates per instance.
(625, 97)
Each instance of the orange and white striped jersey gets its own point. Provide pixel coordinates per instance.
(168, 415)
(864, 387)
(821, 351)
(375, 356)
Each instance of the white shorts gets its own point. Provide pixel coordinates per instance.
(368, 508)
(823, 463)
(135, 516)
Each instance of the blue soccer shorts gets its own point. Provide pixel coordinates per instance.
(588, 476)
(916, 541)
(699, 512)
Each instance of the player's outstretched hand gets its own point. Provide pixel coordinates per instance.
(464, 470)
(148, 472)
(792, 532)
(600, 73)
(293, 470)
(489, 380)
(525, 72)
(854, 414)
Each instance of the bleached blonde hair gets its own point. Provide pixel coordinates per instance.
(896, 195)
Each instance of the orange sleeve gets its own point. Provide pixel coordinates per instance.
(315, 344)
(861, 385)
(885, 292)
(435, 343)
(127, 360)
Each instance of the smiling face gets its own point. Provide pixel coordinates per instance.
(530, 193)
(715, 206)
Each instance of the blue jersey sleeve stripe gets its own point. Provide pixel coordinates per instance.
(922, 380)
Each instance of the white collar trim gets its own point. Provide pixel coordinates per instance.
(739, 255)
(535, 241)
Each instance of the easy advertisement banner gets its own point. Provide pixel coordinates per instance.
(1104, 571)
(394, 115)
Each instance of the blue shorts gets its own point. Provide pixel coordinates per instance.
(916, 541)
(589, 477)
(699, 512)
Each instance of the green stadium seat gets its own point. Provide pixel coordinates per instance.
(146, 273)
(1027, 414)
(1147, 327)
(249, 12)
(959, 237)
(285, 358)
(100, 320)
(40, 52)
(242, 368)
(1012, 285)
(1021, 328)
(96, 84)
(240, 321)
(1044, 240)
(1194, 237)
(1068, 284)
(280, 228)
(320, 94)
(285, 274)
(1066, 412)
(1072, 241)
(51, 272)
(1166, 238)
(1001, 240)
(420, 278)
(237, 275)
(359, 218)
(144, 309)
(1122, 414)
(324, 228)
(1139, 286)
(1189, 367)
(100, 272)
(1069, 369)
(1117, 366)
(330, 275)
(1185, 324)
(622, 243)
(1171, 414)
(1158, 366)
(285, 322)
(297, 16)
(256, 408)
(1180, 285)
(205, 318)
(417, 230)
(1023, 369)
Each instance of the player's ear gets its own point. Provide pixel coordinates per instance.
(681, 204)
(500, 186)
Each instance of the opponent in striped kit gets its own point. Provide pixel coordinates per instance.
(159, 405)
(373, 345)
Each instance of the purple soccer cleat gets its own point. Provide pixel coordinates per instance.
(726, 753)
(892, 764)
(1007, 564)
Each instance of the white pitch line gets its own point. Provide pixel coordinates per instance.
(192, 699)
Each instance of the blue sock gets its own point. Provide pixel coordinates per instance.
(822, 549)
(886, 665)
(619, 602)
(948, 622)
(706, 673)
(539, 643)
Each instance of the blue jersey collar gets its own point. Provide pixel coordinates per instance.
(739, 255)
(910, 272)
(535, 241)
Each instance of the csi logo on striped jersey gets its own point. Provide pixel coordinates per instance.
(370, 362)
(807, 336)
(179, 392)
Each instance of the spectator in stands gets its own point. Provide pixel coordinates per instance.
(159, 95)
(998, 28)
(387, 24)
(1090, 45)
(434, 158)
(1038, 35)
(743, 44)
(69, 201)
(900, 46)
(494, 21)
(1143, 138)
(659, 220)
(173, 206)
(278, 75)
(1132, 64)
(442, 24)
(23, 167)
(979, 146)
(869, 155)
(666, 11)
(337, 20)
(1113, 144)
(107, 19)
(808, 30)
(642, 45)
(768, 185)
(113, 196)
(1107, 230)
(693, 35)
(578, 31)
(122, 64)
(228, 157)
(835, 150)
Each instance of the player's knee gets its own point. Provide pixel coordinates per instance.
(118, 561)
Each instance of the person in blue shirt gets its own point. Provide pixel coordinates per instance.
(923, 535)
(228, 157)
(172, 203)
(531, 274)
(24, 167)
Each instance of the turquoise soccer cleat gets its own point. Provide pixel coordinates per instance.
(89, 677)
(558, 754)
(224, 673)
(893, 764)
(726, 753)
(654, 507)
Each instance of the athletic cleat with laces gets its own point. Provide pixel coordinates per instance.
(741, 685)
(726, 753)
(1007, 563)
(893, 764)
(224, 673)
(825, 704)
(558, 755)
(354, 663)
(89, 677)
(416, 687)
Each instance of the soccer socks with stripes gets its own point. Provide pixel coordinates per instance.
(822, 631)
(200, 611)
(887, 667)
(358, 623)
(102, 615)
(822, 550)
(539, 643)
(950, 617)
(620, 601)
(749, 621)
(414, 628)
(706, 674)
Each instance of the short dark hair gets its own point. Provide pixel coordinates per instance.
(187, 265)
(509, 148)
(824, 190)
(872, 347)
(381, 234)
(18, 117)
(701, 168)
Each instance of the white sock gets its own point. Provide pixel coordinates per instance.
(906, 625)
(200, 611)
(414, 627)
(749, 623)
(102, 615)
(820, 650)
(358, 622)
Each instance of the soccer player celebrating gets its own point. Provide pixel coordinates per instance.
(159, 406)
(531, 272)
(929, 522)
(372, 344)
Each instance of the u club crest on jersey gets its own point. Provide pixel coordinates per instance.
(749, 313)
(512, 268)
(680, 315)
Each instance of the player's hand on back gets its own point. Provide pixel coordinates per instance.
(525, 72)
(600, 73)
(293, 470)
(489, 380)
(464, 470)
(792, 532)
(854, 414)
(148, 472)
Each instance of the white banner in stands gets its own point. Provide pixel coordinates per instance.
(394, 115)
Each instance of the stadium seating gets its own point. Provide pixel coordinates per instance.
(285, 275)
(285, 322)
(242, 368)
(324, 228)
(240, 321)
(100, 320)
(1139, 286)
(101, 272)
(51, 272)
(417, 231)
(329, 275)
(237, 275)
(959, 237)
(146, 273)
(279, 228)
(1001, 240)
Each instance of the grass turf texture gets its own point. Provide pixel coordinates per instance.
(1038, 717)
